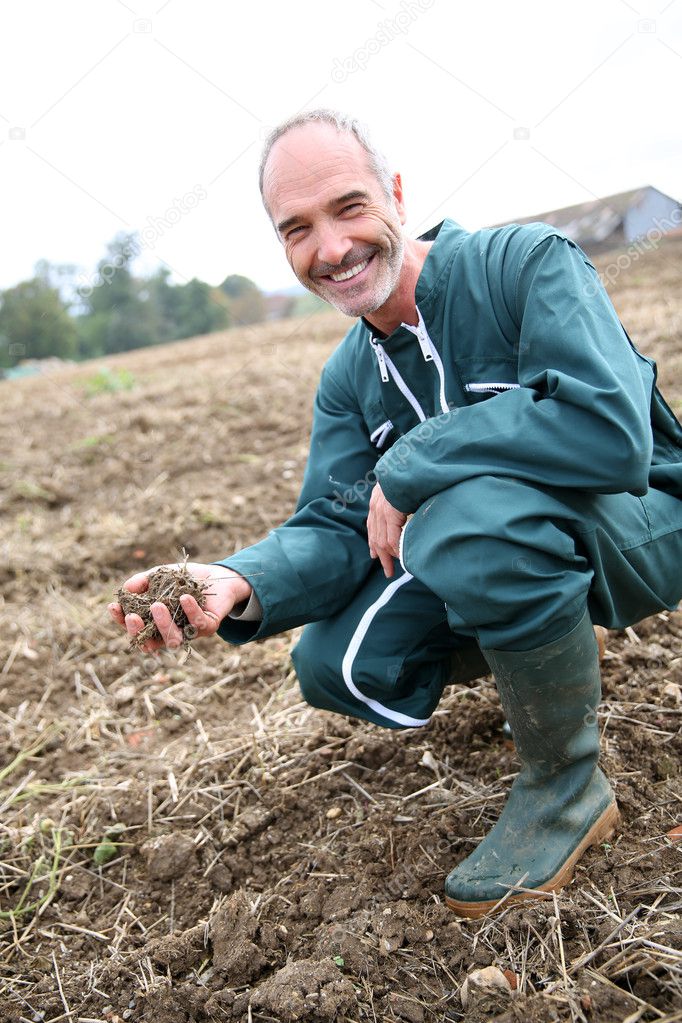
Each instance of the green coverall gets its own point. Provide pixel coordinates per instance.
(523, 433)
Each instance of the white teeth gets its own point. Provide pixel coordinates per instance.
(347, 274)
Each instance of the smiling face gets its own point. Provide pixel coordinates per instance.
(342, 236)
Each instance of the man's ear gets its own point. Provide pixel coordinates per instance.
(398, 197)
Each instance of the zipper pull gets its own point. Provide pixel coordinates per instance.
(422, 336)
(424, 341)
(379, 435)
(381, 360)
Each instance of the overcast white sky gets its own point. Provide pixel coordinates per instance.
(113, 112)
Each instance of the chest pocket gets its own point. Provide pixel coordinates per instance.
(379, 425)
(484, 378)
(486, 388)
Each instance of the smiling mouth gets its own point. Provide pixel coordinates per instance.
(353, 271)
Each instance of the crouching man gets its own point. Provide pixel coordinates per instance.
(487, 391)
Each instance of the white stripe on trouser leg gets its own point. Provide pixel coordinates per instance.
(354, 646)
(401, 541)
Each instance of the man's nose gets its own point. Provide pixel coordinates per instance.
(332, 246)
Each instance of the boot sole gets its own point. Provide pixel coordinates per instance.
(602, 830)
(601, 634)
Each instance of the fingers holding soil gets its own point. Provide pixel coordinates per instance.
(204, 622)
(134, 624)
(159, 609)
(135, 628)
(117, 614)
(171, 635)
(137, 583)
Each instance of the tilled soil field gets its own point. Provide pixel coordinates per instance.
(183, 839)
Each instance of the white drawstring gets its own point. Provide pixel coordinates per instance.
(404, 389)
(422, 335)
(381, 359)
(378, 436)
(430, 353)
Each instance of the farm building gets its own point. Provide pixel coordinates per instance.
(615, 220)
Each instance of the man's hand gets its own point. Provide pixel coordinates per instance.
(384, 526)
(225, 589)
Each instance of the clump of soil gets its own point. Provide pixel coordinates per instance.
(306, 990)
(166, 585)
(168, 856)
(234, 931)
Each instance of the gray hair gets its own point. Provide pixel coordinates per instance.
(343, 124)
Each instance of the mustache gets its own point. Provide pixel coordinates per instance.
(352, 258)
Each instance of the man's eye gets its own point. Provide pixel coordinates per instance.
(352, 206)
(295, 230)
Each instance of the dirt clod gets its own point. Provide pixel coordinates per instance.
(168, 856)
(179, 952)
(233, 930)
(406, 1008)
(305, 990)
(165, 585)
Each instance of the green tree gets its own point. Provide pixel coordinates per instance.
(35, 323)
(61, 276)
(117, 314)
(246, 300)
(198, 311)
(184, 310)
(166, 302)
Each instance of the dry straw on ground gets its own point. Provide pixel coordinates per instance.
(169, 850)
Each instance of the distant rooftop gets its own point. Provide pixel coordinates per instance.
(603, 223)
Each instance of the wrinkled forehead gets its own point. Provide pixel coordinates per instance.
(311, 164)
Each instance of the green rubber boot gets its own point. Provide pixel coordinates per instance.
(560, 803)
